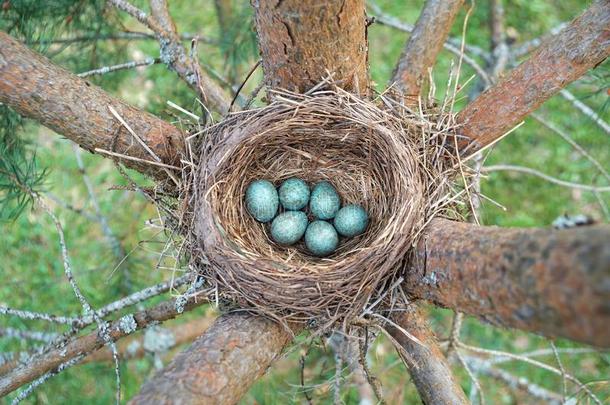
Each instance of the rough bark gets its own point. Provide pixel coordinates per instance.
(220, 366)
(428, 366)
(552, 282)
(54, 358)
(424, 44)
(75, 108)
(563, 58)
(302, 41)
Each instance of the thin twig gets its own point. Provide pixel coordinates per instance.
(138, 14)
(534, 172)
(122, 66)
(127, 35)
(241, 86)
(454, 337)
(115, 244)
(586, 110)
(44, 337)
(135, 159)
(534, 363)
(55, 356)
(572, 143)
(563, 372)
(529, 46)
(38, 316)
(514, 382)
(102, 326)
(473, 378)
(41, 380)
(392, 22)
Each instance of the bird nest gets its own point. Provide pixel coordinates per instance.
(379, 154)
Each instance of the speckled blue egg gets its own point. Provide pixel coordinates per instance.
(321, 238)
(294, 194)
(288, 227)
(324, 202)
(262, 200)
(351, 220)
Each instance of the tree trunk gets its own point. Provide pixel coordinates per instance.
(301, 42)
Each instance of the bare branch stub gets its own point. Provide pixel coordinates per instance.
(428, 366)
(220, 366)
(36, 88)
(302, 42)
(424, 44)
(551, 282)
(563, 58)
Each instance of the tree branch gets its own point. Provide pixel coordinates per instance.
(136, 346)
(563, 58)
(36, 88)
(452, 45)
(551, 282)
(428, 367)
(221, 365)
(50, 360)
(173, 53)
(302, 41)
(123, 66)
(129, 348)
(187, 67)
(514, 382)
(424, 44)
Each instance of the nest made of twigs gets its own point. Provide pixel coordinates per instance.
(379, 154)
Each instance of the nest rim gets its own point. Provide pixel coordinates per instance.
(390, 162)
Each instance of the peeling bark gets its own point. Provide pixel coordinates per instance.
(563, 58)
(552, 282)
(220, 366)
(424, 44)
(301, 41)
(36, 88)
(428, 366)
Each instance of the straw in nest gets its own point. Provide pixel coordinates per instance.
(379, 154)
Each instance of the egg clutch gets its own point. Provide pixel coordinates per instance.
(323, 204)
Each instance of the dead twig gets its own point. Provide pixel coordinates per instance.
(534, 172)
(122, 66)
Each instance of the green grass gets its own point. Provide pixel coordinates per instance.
(33, 271)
